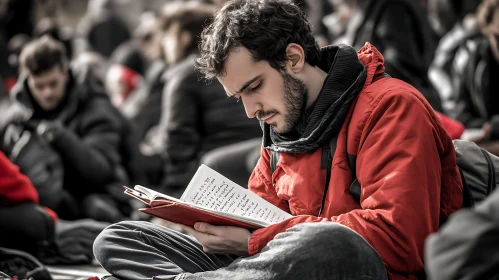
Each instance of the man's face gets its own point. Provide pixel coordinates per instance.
(173, 46)
(48, 88)
(151, 47)
(273, 97)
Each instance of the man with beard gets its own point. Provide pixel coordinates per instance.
(264, 54)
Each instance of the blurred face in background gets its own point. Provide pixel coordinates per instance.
(49, 88)
(150, 46)
(174, 43)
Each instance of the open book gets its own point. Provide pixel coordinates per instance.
(211, 198)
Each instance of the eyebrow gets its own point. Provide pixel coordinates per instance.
(248, 83)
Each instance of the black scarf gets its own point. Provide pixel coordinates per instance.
(345, 79)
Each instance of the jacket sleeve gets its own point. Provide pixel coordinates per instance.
(95, 151)
(180, 129)
(14, 186)
(399, 169)
(462, 81)
(466, 247)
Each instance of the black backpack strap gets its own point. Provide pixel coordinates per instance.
(326, 162)
(274, 158)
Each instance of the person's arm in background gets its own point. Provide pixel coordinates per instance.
(35, 229)
(180, 131)
(95, 153)
(467, 246)
(18, 205)
(463, 74)
(34, 157)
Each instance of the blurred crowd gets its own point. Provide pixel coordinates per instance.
(116, 100)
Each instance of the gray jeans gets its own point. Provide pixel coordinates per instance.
(141, 250)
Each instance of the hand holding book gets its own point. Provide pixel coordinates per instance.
(220, 239)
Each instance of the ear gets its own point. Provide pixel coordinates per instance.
(296, 58)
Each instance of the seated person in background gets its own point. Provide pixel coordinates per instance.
(101, 29)
(401, 32)
(440, 71)
(37, 230)
(129, 93)
(197, 116)
(475, 79)
(467, 246)
(264, 53)
(61, 130)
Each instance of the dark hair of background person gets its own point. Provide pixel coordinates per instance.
(51, 27)
(190, 18)
(487, 14)
(263, 27)
(42, 55)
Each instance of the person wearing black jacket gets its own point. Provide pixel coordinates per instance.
(402, 33)
(62, 131)
(196, 117)
(474, 79)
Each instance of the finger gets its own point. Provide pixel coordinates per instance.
(205, 239)
(190, 230)
(209, 228)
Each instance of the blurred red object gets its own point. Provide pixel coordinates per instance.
(454, 128)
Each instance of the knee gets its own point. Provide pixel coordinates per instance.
(331, 240)
(327, 235)
(112, 238)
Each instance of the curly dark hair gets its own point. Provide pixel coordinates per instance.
(263, 27)
(41, 55)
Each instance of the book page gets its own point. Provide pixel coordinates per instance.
(154, 195)
(209, 189)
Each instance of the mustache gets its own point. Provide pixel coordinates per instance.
(264, 114)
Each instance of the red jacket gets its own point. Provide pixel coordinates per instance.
(406, 166)
(15, 187)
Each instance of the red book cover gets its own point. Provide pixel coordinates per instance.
(211, 198)
(184, 214)
(187, 215)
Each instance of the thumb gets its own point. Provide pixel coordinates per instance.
(207, 228)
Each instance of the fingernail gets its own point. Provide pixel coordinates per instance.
(196, 226)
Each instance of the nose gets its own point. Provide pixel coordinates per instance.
(251, 105)
(47, 92)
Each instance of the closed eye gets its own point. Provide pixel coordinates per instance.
(257, 86)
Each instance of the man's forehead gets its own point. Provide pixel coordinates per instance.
(240, 67)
